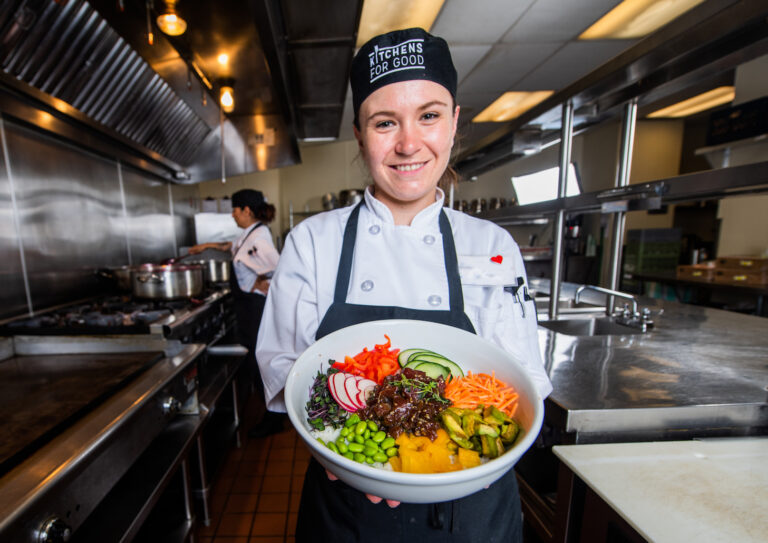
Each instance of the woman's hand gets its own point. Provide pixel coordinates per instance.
(197, 249)
(261, 284)
(371, 497)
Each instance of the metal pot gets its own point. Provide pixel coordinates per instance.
(167, 282)
(214, 271)
(121, 276)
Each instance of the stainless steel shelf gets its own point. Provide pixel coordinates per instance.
(709, 184)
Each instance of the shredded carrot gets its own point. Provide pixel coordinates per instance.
(373, 365)
(474, 389)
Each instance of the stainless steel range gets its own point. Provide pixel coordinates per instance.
(102, 403)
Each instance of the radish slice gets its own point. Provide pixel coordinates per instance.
(366, 389)
(350, 386)
(336, 384)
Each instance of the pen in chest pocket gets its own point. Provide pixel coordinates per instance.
(516, 292)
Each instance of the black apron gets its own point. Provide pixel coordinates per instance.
(248, 306)
(334, 511)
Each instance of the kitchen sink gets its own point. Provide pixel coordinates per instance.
(566, 306)
(594, 326)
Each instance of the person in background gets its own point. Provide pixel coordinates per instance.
(254, 259)
(400, 254)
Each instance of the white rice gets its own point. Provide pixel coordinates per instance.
(329, 434)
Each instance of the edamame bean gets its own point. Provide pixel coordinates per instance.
(392, 451)
(372, 426)
(379, 436)
(333, 447)
(369, 451)
(359, 439)
(349, 455)
(355, 447)
(321, 441)
(354, 419)
(344, 432)
(367, 433)
(368, 460)
(388, 443)
(380, 457)
(343, 447)
(372, 444)
(360, 427)
(359, 457)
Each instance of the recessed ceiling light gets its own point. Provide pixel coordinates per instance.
(381, 16)
(701, 102)
(636, 18)
(511, 105)
(223, 59)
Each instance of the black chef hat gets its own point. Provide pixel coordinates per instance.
(397, 56)
(248, 198)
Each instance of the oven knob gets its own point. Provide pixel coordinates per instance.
(54, 530)
(171, 406)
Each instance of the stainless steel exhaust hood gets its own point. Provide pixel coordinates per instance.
(161, 100)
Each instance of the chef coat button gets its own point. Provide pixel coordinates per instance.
(429, 240)
(367, 285)
(434, 300)
(375, 229)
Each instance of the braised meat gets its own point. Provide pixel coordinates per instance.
(407, 401)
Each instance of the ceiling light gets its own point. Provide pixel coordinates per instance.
(170, 22)
(223, 59)
(227, 98)
(511, 105)
(636, 18)
(380, 16)
(701, 102)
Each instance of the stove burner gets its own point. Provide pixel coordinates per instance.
(117, 312)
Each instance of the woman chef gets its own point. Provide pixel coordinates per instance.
(399, 254)
(254, 259)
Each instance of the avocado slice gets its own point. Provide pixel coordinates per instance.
(509, 432)
(489, 446)
(483, 429)
(452, 425)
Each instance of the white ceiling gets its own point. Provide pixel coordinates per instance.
(514, 45)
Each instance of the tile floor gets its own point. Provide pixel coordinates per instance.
(255, 498)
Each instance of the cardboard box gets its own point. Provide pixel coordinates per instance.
(697, 272)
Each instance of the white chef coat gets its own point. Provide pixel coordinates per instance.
(303, 285)
(253, 254)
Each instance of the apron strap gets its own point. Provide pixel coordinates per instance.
(345, 261)
(455, 292)
(244, 239)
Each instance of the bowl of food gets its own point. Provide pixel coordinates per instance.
(413, 411)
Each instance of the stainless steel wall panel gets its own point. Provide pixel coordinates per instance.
(13, 297)
(151, 232)
(185, 206)
(70, 215)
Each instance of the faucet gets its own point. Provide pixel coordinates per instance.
(608, 292)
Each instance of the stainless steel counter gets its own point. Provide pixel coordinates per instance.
(697, 372)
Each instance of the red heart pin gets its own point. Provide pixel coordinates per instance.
(497, 259)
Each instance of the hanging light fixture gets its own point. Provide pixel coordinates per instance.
(227, 97)
(170, 22)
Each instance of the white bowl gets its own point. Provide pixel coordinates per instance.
(468, 350)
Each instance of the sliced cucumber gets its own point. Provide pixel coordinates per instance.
(433, 370)
(402, 358)
(452, 367)
(417, 352)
